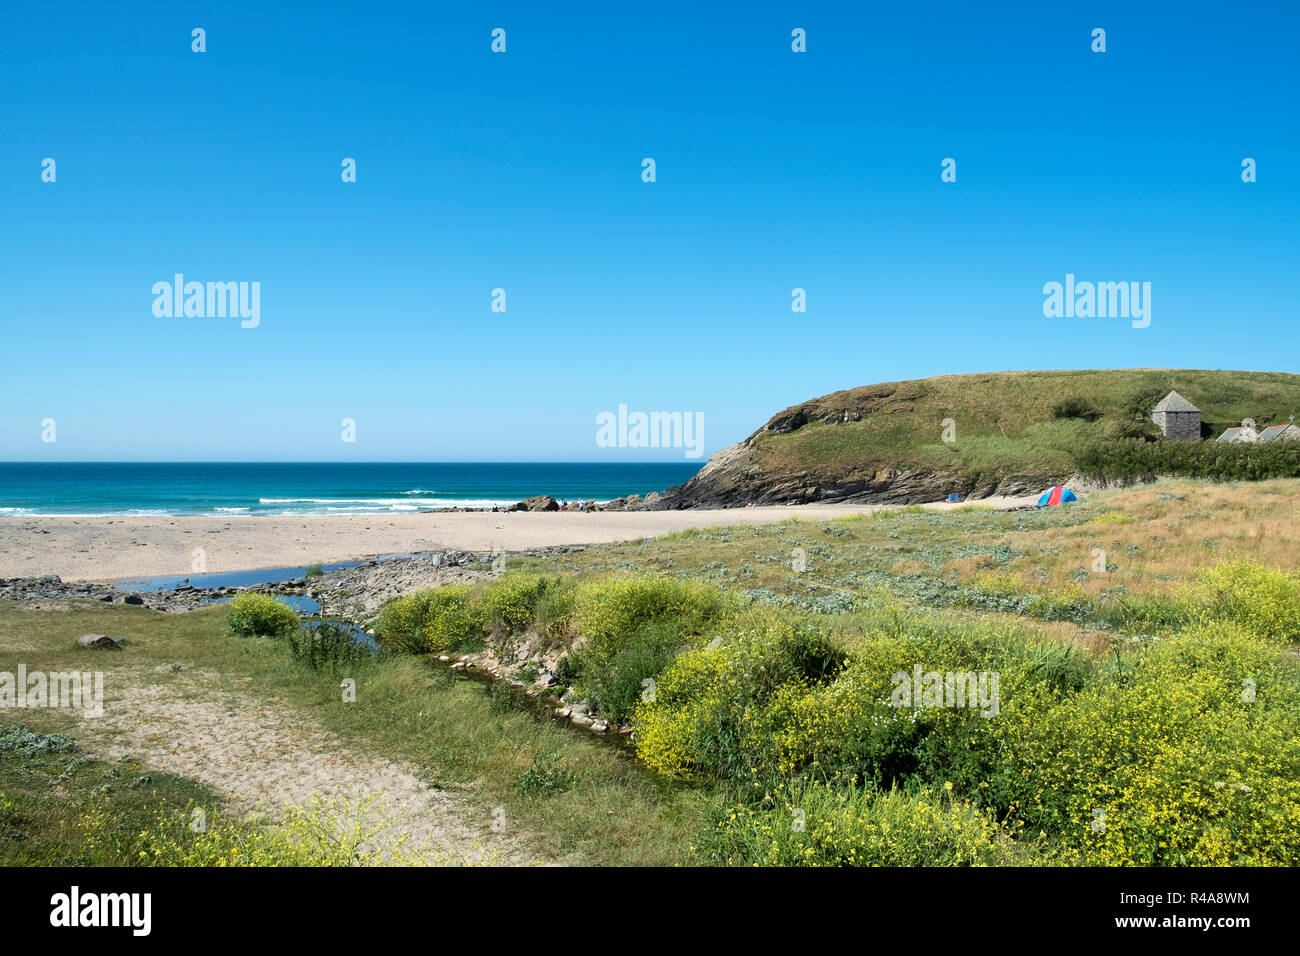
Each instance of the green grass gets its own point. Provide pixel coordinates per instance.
(613, 812)
(48, 786)
(59, 806)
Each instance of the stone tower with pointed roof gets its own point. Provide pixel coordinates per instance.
(1177, 417)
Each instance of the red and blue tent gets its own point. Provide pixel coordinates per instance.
(1056, 496)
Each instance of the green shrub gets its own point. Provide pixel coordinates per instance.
(613, 681)
(1127, 458)
(631, 628)
(1186, 756)
(1076, 406)
(326, 644)
(606, 610)
(709, 708)
(782, 700)
(429, 622)
(555, 612)
(461, 616)
(1181, 752)
(260, 615)
(313, 571)
(1261, 600)
(544, 778)
(510, 601)
(821, 826)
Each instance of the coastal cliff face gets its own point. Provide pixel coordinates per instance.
(740, 474)
(998, 433)
(732, 479)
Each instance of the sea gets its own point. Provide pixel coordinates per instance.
(313, 488)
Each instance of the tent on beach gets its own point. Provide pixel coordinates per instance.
(1057, 496)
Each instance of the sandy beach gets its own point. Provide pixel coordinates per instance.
(109, 548)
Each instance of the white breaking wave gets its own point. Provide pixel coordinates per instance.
(342, 501)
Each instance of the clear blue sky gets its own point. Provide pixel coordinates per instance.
(523, 171)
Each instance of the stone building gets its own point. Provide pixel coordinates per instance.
(1239, 434)
(1287, 432)
(1177, 417)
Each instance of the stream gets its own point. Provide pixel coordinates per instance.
(541, 706)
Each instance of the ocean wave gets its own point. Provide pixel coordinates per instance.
(132, 513)
(341, 501)
(230, 510)
(387, 506)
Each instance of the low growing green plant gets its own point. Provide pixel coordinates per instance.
(1261, 600)
(260, 615)
(822, 826)
(323, 644)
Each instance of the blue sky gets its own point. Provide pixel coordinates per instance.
(522, 171)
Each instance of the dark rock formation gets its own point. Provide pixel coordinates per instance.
(734, 477)
(536, 503)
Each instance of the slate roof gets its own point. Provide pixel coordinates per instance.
(1273, 431)
(1173, 402)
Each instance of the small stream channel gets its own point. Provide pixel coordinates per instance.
(540, 706)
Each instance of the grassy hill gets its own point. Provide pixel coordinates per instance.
(1013, 431)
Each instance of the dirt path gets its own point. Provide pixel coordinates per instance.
(259, 755)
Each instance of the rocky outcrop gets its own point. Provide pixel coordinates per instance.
(536, 503)
(732, 479)
(101, 641)
(735, 476)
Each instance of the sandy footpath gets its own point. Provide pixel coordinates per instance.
(261, 754)
(107, 548)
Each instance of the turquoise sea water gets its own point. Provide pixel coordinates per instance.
(102, 488)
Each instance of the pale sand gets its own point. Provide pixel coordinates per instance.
(261, 754)
(106, 549)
